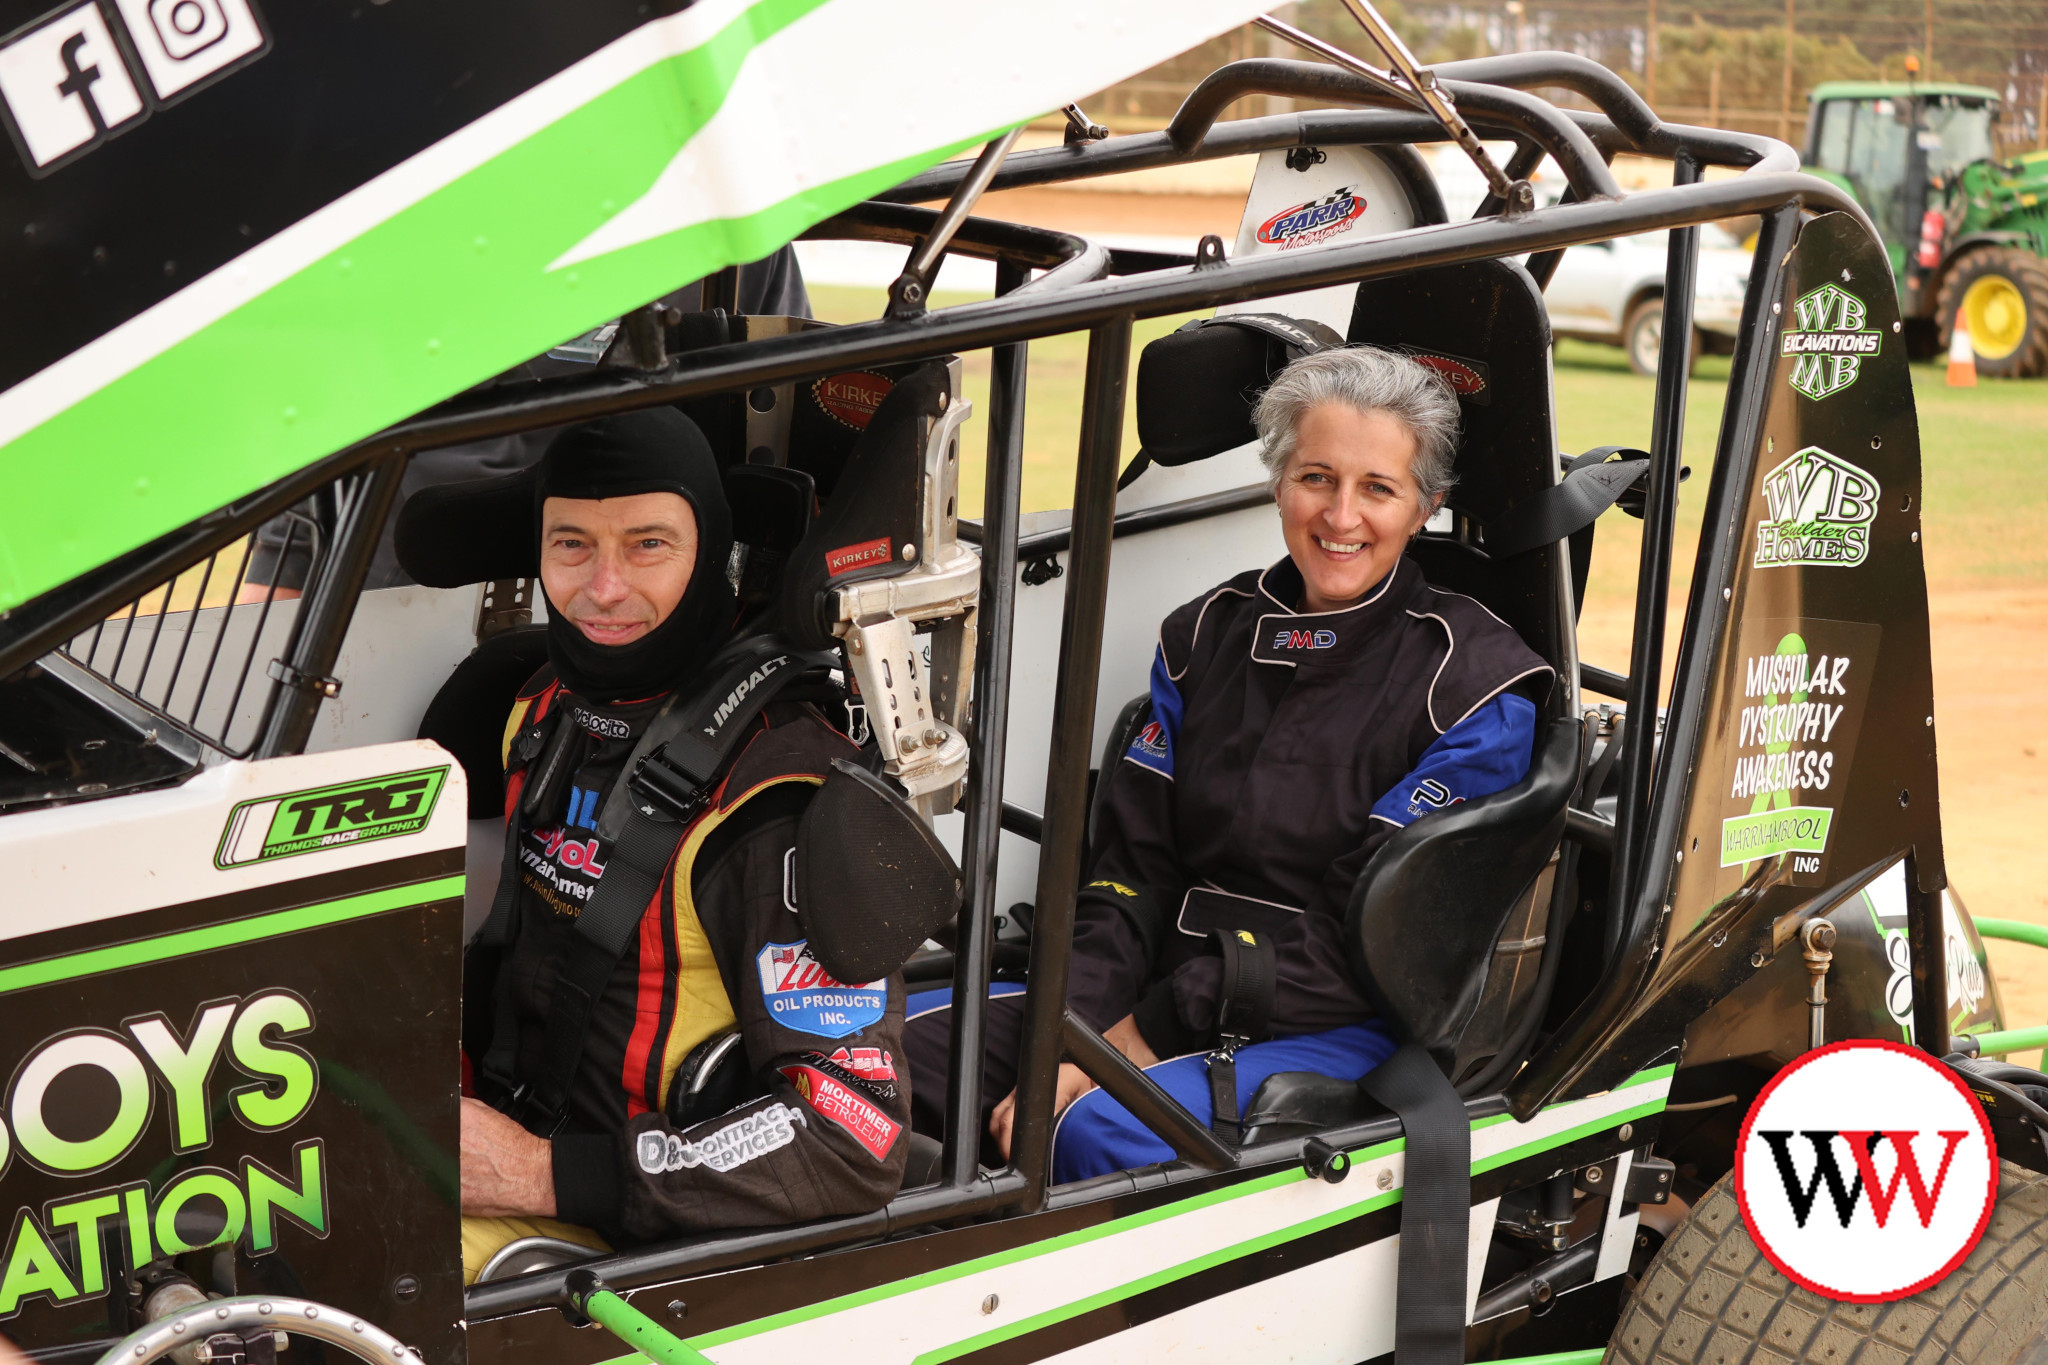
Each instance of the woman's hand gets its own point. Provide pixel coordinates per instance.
(1123, 1035)
(1073, 1083)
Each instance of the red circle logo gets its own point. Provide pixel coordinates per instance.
(1866, 1171)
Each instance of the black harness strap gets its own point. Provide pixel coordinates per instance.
(1592, 484)
(1250, 980)
(669, 779)
(1436, 1206)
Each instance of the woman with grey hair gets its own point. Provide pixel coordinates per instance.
(1300, 716)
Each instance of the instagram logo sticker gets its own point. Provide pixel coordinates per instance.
(183, 43)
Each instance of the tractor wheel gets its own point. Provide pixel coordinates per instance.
(1643, 334)
(2003, 294)
(1710, 1298)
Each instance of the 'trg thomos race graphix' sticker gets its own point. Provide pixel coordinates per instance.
(329, 817)
(1799, 699)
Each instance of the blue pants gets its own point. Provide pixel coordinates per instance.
(1097, 1135)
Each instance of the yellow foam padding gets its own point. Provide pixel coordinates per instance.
(483, 1238)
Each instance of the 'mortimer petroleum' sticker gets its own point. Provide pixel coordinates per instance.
(1818, 510)
(801, 995)
(851, 398)
(1829, 341)
(1306, 224)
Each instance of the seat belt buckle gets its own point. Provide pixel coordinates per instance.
(661, 790)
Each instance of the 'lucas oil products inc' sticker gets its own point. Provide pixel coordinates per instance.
(801, 995)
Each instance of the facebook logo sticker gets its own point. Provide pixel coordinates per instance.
(66, 86)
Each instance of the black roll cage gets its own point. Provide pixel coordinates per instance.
(1086, 286)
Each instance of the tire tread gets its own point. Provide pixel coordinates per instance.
(1711, 1298)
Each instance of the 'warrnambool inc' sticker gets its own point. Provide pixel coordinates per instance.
(1797, 712)
(801, 995)
(1316, 221)
(324, 818)
(1866, 1171)
(1817, 510)
(1829, 341)
(722, 1149)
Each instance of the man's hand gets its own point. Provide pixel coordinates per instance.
(507, 1172)
(1123, 1035)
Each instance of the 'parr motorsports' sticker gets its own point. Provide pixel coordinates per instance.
(1828, 341)
(1817, 510)
(329, 817)
(1799, 701)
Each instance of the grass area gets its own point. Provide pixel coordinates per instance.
(1983, 450)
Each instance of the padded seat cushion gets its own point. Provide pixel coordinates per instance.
(467, 716)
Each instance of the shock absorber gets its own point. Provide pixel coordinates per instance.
(1817, 937)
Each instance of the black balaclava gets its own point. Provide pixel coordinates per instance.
(656, 450)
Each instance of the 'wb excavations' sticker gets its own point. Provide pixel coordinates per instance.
(1828, 341)
(329, 817)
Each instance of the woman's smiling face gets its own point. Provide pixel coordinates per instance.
(1349, 502)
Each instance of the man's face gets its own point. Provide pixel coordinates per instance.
(617, 567)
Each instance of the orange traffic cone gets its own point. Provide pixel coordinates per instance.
(1962, 356)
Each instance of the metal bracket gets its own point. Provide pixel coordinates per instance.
(504, 604)
(1817, 938)
(1649, 1181)
(908, 294)
(1081, 128)
(1209, 252)
(291, 677)
(917, 709)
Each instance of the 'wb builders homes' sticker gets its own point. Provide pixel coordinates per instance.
(1800, 699)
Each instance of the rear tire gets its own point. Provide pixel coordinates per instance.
(1710, 1298)
(2004, 293)
(1643, 334)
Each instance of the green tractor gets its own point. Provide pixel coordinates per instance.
(1966, 231)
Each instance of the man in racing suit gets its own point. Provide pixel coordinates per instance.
(635, 536)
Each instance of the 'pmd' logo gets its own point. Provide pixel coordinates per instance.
(1866, 1171)
(69, 80)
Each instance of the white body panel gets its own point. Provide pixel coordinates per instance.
(100, 860)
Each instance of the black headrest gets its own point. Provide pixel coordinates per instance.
(455, 534)
(1482, 325)
(874, 515)
(771, 506)
(467, 716)
(1197, 385)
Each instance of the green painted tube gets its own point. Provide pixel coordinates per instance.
(2014, 930)
(1591, 1357)
(2002, 1041)
(639, 1331)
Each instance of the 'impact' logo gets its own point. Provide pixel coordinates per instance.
(1818, 510)
(329, 817)
(1866, 1171)
(1830, 341)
